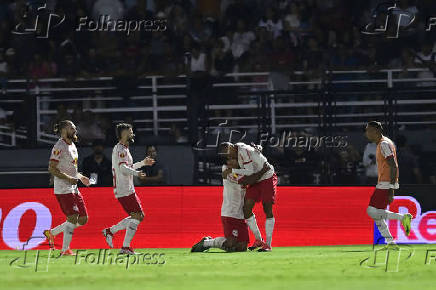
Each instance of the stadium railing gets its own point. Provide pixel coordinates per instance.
(157, 102)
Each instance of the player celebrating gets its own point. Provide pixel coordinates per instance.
(251, 160)
(387, 166)
(232, 216)
(63, 166)
(123, 171)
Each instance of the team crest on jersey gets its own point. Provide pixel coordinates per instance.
(122, 155)
(56, 152)
(75, 162)
(235, 233)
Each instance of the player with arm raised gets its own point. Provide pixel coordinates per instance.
(63, 166)
(236, 236)
(123, 170)
(387, 167)
(251, 160)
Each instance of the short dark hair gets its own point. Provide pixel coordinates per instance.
(376, 125)
(120, 128)
(223, 148)
(149, 146)
(61, 125)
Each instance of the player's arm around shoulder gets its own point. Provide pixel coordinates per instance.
(252, 179)
(226, 171)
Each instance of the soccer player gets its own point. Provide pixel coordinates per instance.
(251, 160)
(123, 171)
(387, 166)
(236, 236)
(63, 166)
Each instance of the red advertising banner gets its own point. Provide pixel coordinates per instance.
(178, 216)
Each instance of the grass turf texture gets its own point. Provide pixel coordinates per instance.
(333, 267)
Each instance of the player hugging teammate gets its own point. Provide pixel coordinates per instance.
(247, 178)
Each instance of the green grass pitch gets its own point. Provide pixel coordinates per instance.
(332, 267)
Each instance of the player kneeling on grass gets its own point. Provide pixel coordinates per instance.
(250, 160)
(123, 171)
(63, 166)
(236, 236)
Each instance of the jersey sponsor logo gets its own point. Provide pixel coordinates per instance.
(235, 233)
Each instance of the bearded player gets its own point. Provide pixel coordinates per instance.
(236, 236)
(387, 166)
(251, 160)
(123, 170)
(63, 166)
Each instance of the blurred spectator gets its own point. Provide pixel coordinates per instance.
(98, 166)
(172, 65)
(15, 69)
(271, 22)
(369, 161)
(222, 60)
(347, 166)
(409, 161)
(426, 59)
(177, 133)
(197, 65)
(301, 164)
(3, 116)
(405, 62)
(3, 73)
(155, 173)
(113, 8)
(433, 178)
(200, 31)
(70, 67)
(93, 64)
(88, 129)
(236, 10)
(241, 40)
(61, 114)
(40, 68)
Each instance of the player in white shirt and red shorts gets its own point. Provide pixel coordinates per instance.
(251, 160)
(123, 170)
(235, 229)
(388, 177)
(63, 166)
